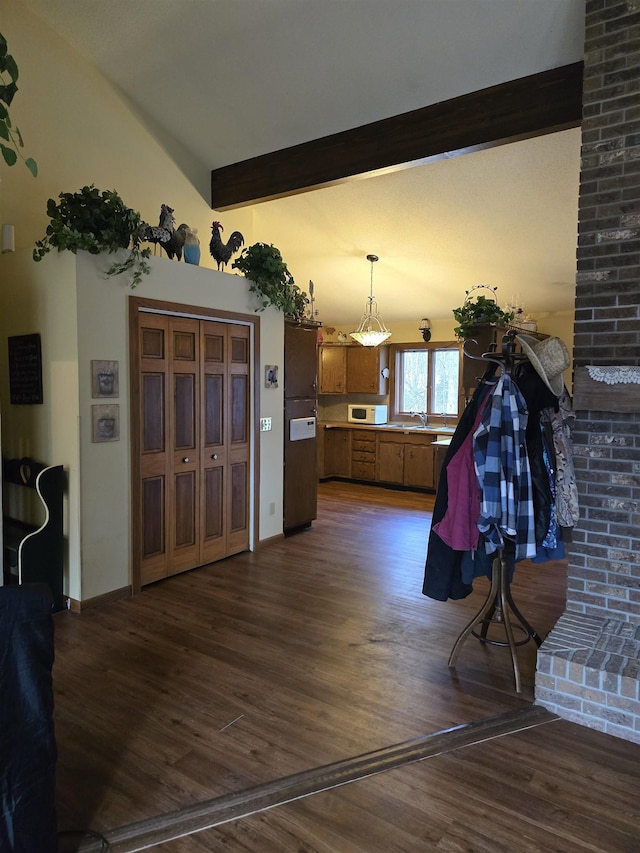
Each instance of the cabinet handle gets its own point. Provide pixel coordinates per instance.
(185, 459)
(214, 455)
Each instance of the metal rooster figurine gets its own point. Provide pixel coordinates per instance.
(161, 233)
(221, 252)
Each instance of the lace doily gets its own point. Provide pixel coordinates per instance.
(615, 375)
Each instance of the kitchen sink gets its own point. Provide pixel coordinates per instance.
(428, 428)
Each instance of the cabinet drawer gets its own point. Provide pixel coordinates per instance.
(359, 444)
(363, 456)
(363, 470)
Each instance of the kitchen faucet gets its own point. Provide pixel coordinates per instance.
(424, 417)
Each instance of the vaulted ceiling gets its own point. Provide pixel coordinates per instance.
(226, 80)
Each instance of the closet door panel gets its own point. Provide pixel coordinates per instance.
(154, 457)
(214, 449)
(184, 429)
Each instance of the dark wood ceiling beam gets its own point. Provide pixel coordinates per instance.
(519, 109)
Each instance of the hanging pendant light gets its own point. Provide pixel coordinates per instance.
(372, 330)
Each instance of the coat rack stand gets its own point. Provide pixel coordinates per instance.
(499, 603)
(496, 610)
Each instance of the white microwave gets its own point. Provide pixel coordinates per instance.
(367, 414)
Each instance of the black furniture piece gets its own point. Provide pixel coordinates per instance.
(33, 552)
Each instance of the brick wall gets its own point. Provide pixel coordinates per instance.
(579, 676)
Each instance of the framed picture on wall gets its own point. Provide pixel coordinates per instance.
(104, 379)
(105, 422)
(271, 376)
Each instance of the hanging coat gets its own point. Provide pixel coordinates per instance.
(442, 575)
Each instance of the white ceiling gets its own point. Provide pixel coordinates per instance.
(225, 80)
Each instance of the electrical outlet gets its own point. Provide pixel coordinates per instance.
(265, 424)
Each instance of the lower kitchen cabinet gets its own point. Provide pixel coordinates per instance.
(405, 461)
(337, 453)
(390, 463)
(418, 466)
(380, 456)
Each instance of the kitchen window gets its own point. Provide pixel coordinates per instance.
(426, 379)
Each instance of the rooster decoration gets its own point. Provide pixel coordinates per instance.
(173, 246)
(221, 252)
(160, 233)
(165, 234)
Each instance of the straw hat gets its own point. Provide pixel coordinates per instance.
(550, 358)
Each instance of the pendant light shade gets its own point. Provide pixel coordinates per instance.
(372, 330)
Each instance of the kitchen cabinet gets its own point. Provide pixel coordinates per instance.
(379, 456)
(405, 460)
(440, 451)
(332, 369)
(300, 409)
(365, 369)
(353, 369)
(418, 466)
(301, 361)
(337, 452)
(390, 462)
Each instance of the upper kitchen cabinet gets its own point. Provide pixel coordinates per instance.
(353, 369)
(367, 369)
(300, 346)
(333, 369)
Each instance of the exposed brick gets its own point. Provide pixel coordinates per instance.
(600, 685)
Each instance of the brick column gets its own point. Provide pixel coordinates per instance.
(589, 665)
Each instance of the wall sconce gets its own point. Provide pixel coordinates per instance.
(8, 239)
(425, 329)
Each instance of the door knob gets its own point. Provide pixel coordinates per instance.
(185, 459)
(214, 455)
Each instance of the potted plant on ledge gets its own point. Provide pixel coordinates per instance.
(483, 311)
(269, 278)
(96, 222)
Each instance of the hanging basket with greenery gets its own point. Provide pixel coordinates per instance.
(269, 278)
(483, 311)
(96, 221)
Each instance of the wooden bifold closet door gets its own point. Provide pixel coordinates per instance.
(192, 454)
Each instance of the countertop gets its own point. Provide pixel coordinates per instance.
(407, 429)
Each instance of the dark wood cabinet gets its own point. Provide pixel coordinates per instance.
(300, 405)
(333, 369)
(353, 369)
(301, 363)
(337, 453)
(405, 460)
(365, 369)
(418, 465)
(390, 462)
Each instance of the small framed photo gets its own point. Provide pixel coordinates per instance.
(104, 379)
(271, 376)
(106, 422)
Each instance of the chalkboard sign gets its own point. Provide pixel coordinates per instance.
(25, 369)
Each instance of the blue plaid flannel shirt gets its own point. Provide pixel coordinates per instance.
(504, 475)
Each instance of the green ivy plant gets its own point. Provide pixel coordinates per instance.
(270, 279)
(13, 143)
(481, 312)
(96, 221)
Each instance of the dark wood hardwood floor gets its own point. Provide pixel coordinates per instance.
(314, 649)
